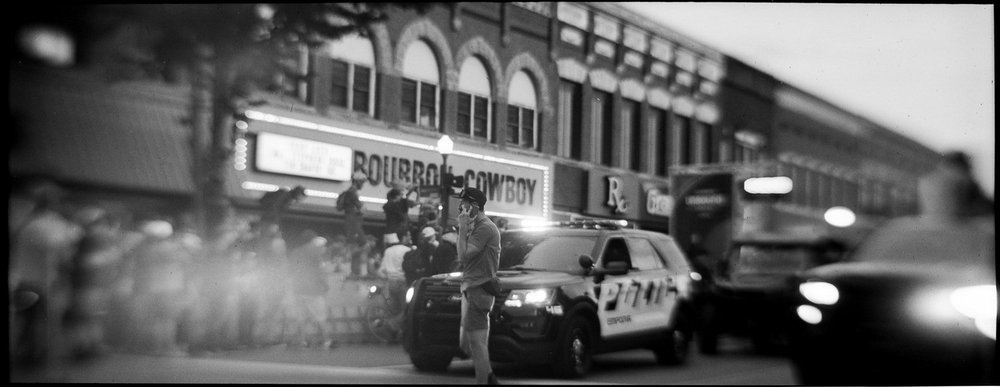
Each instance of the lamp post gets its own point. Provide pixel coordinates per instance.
(444, 147)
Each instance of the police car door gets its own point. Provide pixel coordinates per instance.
(634, 302)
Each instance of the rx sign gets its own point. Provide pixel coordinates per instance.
(616, 195)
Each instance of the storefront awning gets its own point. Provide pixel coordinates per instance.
(92, 132)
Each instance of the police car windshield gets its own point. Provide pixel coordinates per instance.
(535, 251)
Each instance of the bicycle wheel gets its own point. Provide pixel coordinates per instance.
(378, 317)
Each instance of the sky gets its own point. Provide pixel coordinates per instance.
(922, 70)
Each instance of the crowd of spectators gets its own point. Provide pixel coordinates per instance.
(84, 280)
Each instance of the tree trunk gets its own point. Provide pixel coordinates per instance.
(211, 115)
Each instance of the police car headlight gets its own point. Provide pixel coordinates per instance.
(534, 297)
(409, 294)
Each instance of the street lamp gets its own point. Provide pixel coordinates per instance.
(444, 147)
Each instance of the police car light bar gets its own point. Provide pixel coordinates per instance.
(591, 224)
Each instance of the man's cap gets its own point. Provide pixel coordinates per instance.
(358, 175)
(472, 195)
(428, 232)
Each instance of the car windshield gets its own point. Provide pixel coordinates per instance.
(771, 259)
(537, 251)
(926, 242)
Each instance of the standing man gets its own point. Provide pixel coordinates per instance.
(350, 203)
(397, 208)
(479, 253)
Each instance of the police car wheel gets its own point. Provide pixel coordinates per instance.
(674, 349)
(574, 351)
(430, 363)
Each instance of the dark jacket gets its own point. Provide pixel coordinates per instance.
(445, 258)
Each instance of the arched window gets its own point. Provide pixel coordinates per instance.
(421, 86)
(522, 112)
(353, 73)
(474, 102)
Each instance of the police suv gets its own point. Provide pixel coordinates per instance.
(570, 290)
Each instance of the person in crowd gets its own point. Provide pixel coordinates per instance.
(42, 242)
(272, 260)
(307, 327)
(339, 253)
(373, 255)
(392, 266)
(428, 218)
(479, 253)
(160, 266)
(120, 311)
(214, 321)
(445, 255)
(191, 246)
(397, 218)
(350, 203)
(94, 268)
(417, 262)
(275, 203)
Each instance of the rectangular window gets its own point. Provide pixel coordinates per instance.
(480, 118)
(362, 88)
(528, 128)
(570, 132)
(428, 105)
(464, 124)
(682, 136)
(341, 83)
(601, 111)
(630, 124)
(513, 120)
(704, 143)
(409, 101)
(659, 125)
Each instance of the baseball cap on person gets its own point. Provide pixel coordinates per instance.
(358, 175)
(428, 232)
(472, 195)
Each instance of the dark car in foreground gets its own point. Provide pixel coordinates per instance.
(748, 297)
(915, 305)
(569, 292)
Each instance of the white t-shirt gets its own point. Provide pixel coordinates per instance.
(392, 261)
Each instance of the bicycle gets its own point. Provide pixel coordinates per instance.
(384, 320)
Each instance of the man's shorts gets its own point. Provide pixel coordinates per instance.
(476, 306)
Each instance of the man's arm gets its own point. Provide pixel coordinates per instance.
(476, 244)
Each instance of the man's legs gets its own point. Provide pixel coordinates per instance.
(474, 333)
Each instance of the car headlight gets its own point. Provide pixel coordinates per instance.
(820, 293)
(409, 294)
(980, 304)
(536, 297)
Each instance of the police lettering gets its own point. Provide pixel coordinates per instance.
(632, 295)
